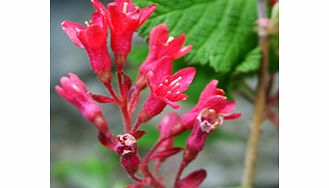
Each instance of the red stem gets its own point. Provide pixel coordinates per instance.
(146, 172)
(112, 92)
(134, 99)
(136, 125)
(153, 149)
(180, 171)
(126, 117)
(124, 108)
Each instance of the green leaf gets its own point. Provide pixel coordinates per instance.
(251, 64)
(221, 31)
(138, 54)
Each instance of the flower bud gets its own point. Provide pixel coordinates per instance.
(127, 149)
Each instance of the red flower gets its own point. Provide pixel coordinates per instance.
(168, 125)
(211, 98)
(76, 92)
(93, 39)
(166, 88)
(124, 19)
(161, 45)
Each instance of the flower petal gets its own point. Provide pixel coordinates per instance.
(146, 13)
(93, 37)
(71, 29)
(187, 76)
(98, 19)
(193, 180)
(231, 116)
(185, 50)
(216, 102)
(174, 46)
(99, 7)
(158, 37)
(229, 107)
(170, 103)
(75, 79)
(209, 90)
(150, 81)
(162, 69)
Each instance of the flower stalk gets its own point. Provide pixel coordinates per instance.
(260, 101)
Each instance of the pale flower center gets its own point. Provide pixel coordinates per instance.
(209, 120)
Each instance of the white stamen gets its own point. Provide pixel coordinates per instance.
(125, 5)
(160, 85)
(175, 81)
(166, 81)
(169, 40)
(178, 92)
(125, 152)
(87, 23)
(168, 92)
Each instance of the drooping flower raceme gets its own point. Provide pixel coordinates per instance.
(166, 88)
(93, 39)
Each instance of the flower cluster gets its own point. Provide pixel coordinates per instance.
(123, 18)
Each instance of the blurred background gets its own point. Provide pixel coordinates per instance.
(78, 161)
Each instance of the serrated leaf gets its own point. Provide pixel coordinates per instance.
(221, 31)
(251, 64)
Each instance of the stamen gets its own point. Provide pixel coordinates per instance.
(178, 92)
(87, 23)
(160, 85)
(166, 80)
(125, 5)
(168, 92)
(169, 40)
(175, 81)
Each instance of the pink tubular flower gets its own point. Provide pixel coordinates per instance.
(75, 91)
(124, 19)
(161, 45)
(93, 39)
(168, 125)
(211, 98)
(166, 88)
(206, 122)
(127, 149)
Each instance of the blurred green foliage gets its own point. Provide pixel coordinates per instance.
(90, 172)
